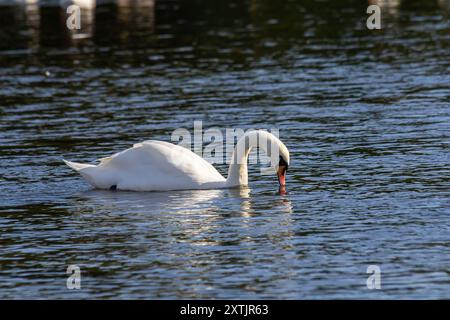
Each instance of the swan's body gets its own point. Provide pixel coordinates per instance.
(152, 165)
(157, 166)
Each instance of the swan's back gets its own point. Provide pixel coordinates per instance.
(153, 165)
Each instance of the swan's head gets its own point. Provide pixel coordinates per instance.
(274, 149)
(281, 171)
(283, 163)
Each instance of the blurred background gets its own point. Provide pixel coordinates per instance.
(243, 29)
(364, 113)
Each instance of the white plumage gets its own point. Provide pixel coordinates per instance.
(157, 166)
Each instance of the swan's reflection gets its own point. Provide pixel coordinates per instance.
(183, 232)
(193, 217)
(178, 202)
(204, 202)
(185, 201)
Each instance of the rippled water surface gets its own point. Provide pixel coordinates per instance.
(365, 115)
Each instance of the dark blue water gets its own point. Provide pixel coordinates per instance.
(365, 115)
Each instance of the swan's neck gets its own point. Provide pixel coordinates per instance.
(238, 172)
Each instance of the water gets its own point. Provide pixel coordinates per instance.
(365, 115)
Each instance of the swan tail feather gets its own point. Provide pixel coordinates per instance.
(78, 166)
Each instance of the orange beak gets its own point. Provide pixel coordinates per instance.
(282, 175)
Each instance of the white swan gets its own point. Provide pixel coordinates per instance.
(158, 166)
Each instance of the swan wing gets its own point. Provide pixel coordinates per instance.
(158, 165)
